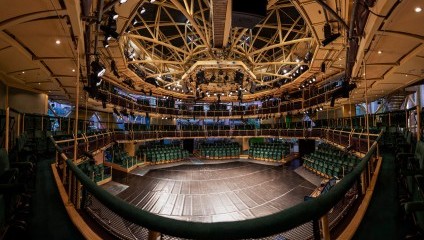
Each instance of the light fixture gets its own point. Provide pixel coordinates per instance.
(73, 70)
(122, 1)
(23, 72)
(285, 71)
(57, 41)
(106, 42)
(135, 22)
(143, 10)
(113, 14)
(152, 1)
(379, 52)
(418, 9)
(98, 68)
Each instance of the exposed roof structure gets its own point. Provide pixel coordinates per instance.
(185, 48)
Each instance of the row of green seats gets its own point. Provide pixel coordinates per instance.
(220, 150)
(95, 172)
(274, 151)
(270, 155)
(164, 153)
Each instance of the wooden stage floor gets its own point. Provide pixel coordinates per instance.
(215, 192)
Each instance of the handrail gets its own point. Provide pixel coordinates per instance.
(251, 228)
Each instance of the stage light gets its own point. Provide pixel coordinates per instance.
(113, 15)
(122, 1)
(98, 68)
(106, 43)
(143, 10)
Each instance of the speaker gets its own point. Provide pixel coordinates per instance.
(323, 67)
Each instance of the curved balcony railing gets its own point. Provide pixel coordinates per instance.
(84, 192)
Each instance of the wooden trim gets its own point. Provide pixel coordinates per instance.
(73, 214)
(362, 209)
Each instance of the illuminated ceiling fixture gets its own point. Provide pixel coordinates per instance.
(122, 1)
(143, 10)
(418, 9)
(152, 1)
(379, 52)
(58, 42)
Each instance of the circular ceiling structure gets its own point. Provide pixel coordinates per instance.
(212, 50)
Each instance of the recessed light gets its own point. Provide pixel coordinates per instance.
(418, 9)
(23, 72)
(58, 42)
(379, 52)
(39, 83)
(73, 70)
(406, 75)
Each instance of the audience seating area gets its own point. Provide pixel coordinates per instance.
(120, 157)
(97, 172)
(220, 150)
(330, 161)
(269, 151)
(410, 161)
(163, 153)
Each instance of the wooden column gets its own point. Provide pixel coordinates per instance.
(76, 106)
(6, 132)
(325, 229)
(418, 100)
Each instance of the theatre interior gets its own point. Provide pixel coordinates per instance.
(211, 119)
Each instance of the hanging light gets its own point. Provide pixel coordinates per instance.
(98, 68)
(113, 15)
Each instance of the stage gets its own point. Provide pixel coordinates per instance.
(214, 192)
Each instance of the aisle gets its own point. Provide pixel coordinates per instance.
(382, 219)
(49, 217)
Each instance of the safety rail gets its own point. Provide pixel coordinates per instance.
(82, 191)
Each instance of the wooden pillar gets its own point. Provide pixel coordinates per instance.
(418, 100)
(325, 229)
(366, 104)
(6, 132)
(76, 106)
(153, 235)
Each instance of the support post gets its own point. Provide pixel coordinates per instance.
(76, 106)
(418, 100)
(366, 105)
(153, 235)
(6, 132)
(325, 229)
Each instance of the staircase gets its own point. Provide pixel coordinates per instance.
(394, 102)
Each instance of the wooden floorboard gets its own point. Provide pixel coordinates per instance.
(216, 192)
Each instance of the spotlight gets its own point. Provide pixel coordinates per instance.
(114, 69)
(113, 15)
(98, 68)
(110, 31)
(106, 43)
(143, 10)
(122, 1)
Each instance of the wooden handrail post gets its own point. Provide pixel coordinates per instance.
(325, 229)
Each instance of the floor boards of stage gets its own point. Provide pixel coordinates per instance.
(215, 192)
